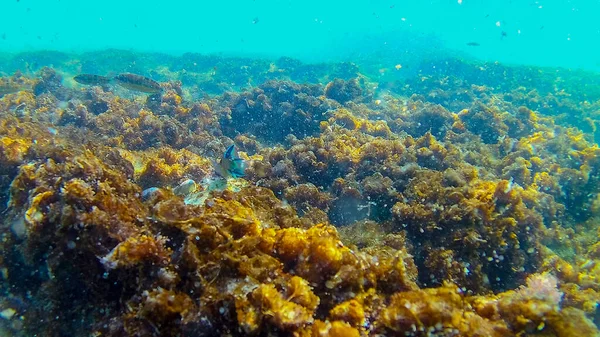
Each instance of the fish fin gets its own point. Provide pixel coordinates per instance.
(238, 167)
(230, 153)
(237, 174)
(240, 163)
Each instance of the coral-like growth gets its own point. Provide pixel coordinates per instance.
(466, 207)
(343, 91)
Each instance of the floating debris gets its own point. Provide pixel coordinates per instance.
(473, 44)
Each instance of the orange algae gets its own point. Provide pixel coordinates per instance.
(333, 329)
(461, 206)
(135, 250)
(283, 313)
(350, 312)
(164, 305)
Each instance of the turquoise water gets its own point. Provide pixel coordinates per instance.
(543, 33)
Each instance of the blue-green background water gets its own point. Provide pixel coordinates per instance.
(544, 33)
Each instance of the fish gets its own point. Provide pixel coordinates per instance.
(149, 192)
(473, 44)
(138, 83)
(127, 80)
(186, 188)
(91, 79)
(231, 165)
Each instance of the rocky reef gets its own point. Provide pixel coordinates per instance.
(442, 207)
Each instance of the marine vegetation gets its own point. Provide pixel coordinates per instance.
(441, 206)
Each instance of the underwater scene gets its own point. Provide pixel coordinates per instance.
(299, 168)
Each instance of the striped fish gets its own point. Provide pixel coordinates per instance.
(138, 83)
(91, 79)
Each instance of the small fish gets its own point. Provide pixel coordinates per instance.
(473, 44)
(91, 79)
(138, 83)
(231, 165)
(149, 192)
(186, 188)
(10, 88)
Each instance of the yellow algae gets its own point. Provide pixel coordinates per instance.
(447, 215)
